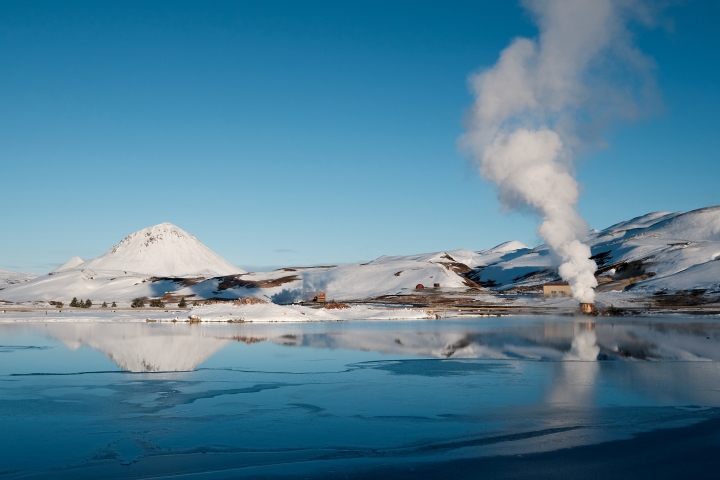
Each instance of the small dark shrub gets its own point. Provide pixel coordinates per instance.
(157, 303)
(137, 303)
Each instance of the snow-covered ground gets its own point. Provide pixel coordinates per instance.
(219, 312)
(270, 312)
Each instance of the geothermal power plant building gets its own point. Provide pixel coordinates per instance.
(556, 289)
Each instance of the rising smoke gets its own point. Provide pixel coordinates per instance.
(543, 101)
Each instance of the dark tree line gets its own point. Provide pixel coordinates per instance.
(80, 303)
(140, 303)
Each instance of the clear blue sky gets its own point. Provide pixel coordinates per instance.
(292, 132)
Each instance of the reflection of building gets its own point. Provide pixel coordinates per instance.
(566, 330)
(556, 289)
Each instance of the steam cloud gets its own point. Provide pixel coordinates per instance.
(542, 101)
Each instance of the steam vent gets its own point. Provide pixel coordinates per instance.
(587, 308)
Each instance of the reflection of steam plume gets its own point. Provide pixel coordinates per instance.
(575, 382)
(523, 125)
(584, 347)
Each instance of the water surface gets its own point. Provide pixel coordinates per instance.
(122, 400)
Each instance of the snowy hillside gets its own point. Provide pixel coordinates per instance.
(74, 262)
(658, 252)
(12, 278)
(383, 276)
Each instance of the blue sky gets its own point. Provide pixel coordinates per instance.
(289, 133)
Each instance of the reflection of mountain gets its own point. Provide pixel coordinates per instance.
(576, 346)
(550, 341)
(141, 347)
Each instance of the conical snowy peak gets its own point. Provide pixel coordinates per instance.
(164, 251)
(74, 262)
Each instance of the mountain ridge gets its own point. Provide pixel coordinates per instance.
(653, 254)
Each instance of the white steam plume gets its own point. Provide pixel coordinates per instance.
(533, 105)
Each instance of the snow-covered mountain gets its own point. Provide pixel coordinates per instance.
(164, 251)
(74, 262)
(655, 253)
(126, 270)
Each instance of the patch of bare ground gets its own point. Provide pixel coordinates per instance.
(238, 302)
(626, 275)
(459, 268)
(235, 281)
(172, 297)
(606, 284)
(524, 289)
(335, 306)
(430, 300)
(249, 301)
(681, 298)
(184, 282)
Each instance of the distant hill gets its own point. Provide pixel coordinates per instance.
(660, 252)
(11, 278)
(162, 250)
(654, 253)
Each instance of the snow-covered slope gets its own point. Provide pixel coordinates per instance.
(12, 278)
(660, 251)
(98, 286)
(163, 251)
(74, 262)
(269, 312)
(383, 276)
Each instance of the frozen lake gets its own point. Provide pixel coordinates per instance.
(512, 397)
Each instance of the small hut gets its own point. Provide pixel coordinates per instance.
(320, 297)
(419, 286)
(557, 289)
